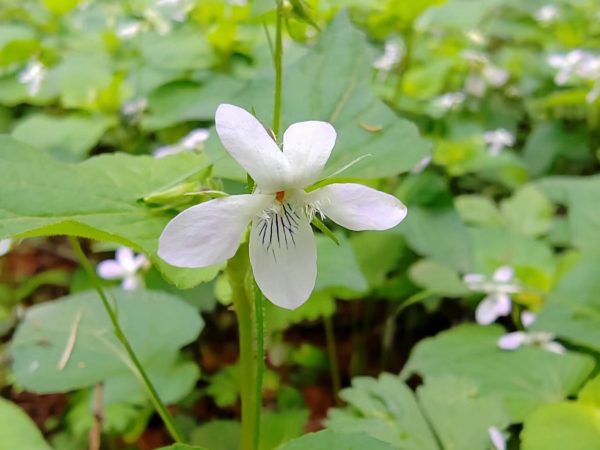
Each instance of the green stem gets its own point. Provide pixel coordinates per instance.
(278, 68)
(332, 354)
(260, 358)
(156, 401)
(239, 277)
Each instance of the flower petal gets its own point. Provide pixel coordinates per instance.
(307, 146)
(131, 282)
(283, 254)
(110, 270)
(358, 207)
(125, 257)
(503, 304)
(512, 341)
(250, 145)
(527, 318)
(487, 311)
(209, 233)
(554, 347)
(503, 274)
(496, 438)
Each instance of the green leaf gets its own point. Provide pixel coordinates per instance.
(460, 412)
(156, 324)
(563, 425)
(67, 138)
(439, 234)
(573, 307)
(525, 379)
(183, 447)
(337, 266)
(385, 409)
(98, 199)
(182, 49)
(17, 430)
(378, 253)
(340, 93)
(479, 210)
(581, 196)
(330, 440)
(528, 211)
(437, 278)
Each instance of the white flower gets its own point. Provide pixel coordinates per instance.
(495, 76)
(571, 63)
(5, 245)
(392, 54)
(133, 108)
(497, 139)
(476, 36)
(126, 266)
(496, 438)
(542, 339)
(449, 100)
(283, 252)
(129, 30)
(192, 141)
(32, 76)
(497, 303)
(546, 14)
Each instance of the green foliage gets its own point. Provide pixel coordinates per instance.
(69, 344)
(330, 440)
(17, 430)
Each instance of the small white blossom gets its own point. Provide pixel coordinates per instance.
(392, 55)
(542, 339)
(127, 266)
(5, 245)
(546, 14)
(133, 109)
(497, 303)
(192, 141)
(129, 30)
(496, 438)
(449, 100)
(283, 252)
(483, 74)
(497, 140)
(476, 37)
(495, 76)
(577, 63)
(32, 76)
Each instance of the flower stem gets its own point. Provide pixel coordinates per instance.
(260, 358)
(278, 68)
(332, 354)
(241, 282)
(156, 401)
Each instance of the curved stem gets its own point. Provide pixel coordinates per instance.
(260, 359)
(240, 280)
(156, 401)
(333, 360)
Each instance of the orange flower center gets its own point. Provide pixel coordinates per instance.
(279, 196)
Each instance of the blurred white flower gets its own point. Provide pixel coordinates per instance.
(542, 339)
(495, 76)
(126, 266)
(5, 245)
(483, 74)
(546, 14)
(133, 108)
(32, 76)
(192, 141)
(497, 139)
(422, 164)
(497, 303)
(392, 55)
(476, 37)
(129, 30)
(496, 438)
(577, 62)
(475, 85)
(176, 10)
(238, 2)
(449, 100)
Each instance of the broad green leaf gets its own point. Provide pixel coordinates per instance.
(459, 14)
(377, 252)
(437, 278)
(479, 210)
(528, 211)
(439, 234)
(460, 412)
(385, 409)
(183, 447)
(330, 440)
(17, 430)
(565, 425)
(581, 196)
(337, 265)
(315, 89)
(182, 49)
(525, 379)
(573, 308)
(156, 324)
(67, 138)
(98, 199)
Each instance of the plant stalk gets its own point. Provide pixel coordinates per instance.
(155, 399)
(278, 68)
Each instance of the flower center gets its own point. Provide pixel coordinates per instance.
(280, 196)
